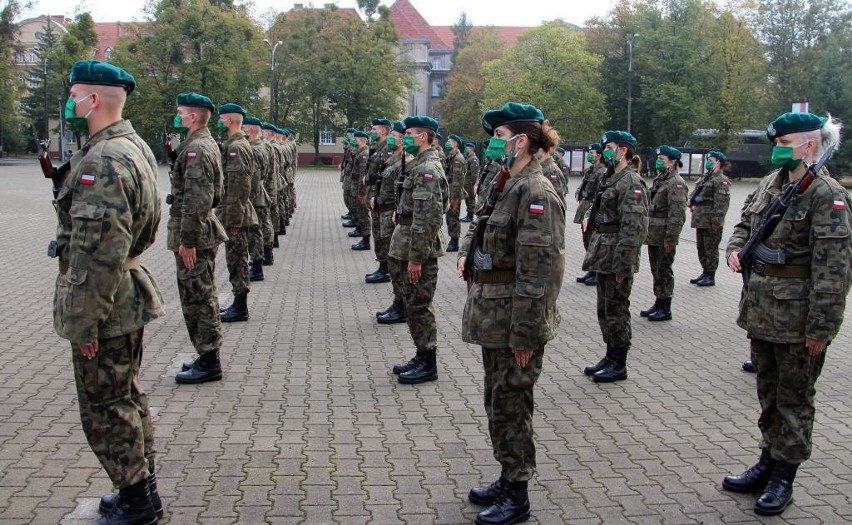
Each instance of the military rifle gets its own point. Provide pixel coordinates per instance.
(693, 200)
(476, 259)
(754, 248)
(172, 155)
(56, 174)
(596, 204)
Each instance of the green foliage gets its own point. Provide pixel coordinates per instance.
(461, 34)
(369, 7)
(44, 79)
(9, 83)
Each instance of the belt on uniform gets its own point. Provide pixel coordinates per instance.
(405, 221)
(797, 271)
(658, 214)
(131, 263)
(613, 227)
(495, 276)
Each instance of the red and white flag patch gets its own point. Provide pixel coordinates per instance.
(537, 209)
(637, 192)
(232, 154)
(839, 205)
(427, 176)
(191, 155)
(87, 179)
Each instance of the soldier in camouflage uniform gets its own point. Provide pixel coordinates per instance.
(456, 174)
(551, 171)
(293, 156)
(618, 220)
(667, 214)
(358, 172)
(195, 234)
(108, 211)
(236, 211)
(380, 130)
(345, 165)
(709, 205)
(416, 244)
(563, 167)
(271, 183)
(585, 195)
(470, 179)
(260, 252)
(284, 179)
(511, 307)
(792, 311)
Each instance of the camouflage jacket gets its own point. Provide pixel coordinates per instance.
(390, 187)
(525, 235)
(108, 211)
(360, 163)
(259, 198)
(712, 196)
(491, 168)
(270, 181)
(236, 210)
(196, 191)
(292, 160)
(585, 194)
(456, 172)
(552, 173)
(566, 173)
(623, 204)
(375, 167)
(814, 232)
(667, 208)
(418, 235)
(472, 171)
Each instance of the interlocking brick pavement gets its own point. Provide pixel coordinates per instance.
(309, 425)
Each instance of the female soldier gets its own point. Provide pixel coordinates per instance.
(584, 195)
(667, 213)
(511, 304)
(618, 220)
(709, 205)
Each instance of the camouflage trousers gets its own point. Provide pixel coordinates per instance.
(661, 271)
(453, 222)
(283, 206)
(114, 408)
(360, 212)
(469, 199)
(382, 231)
(418, 301)
(259, 233)
(587, 235)
(236, 257)
(199, 301)
(708, 248)
(274, 216)
(614, 309)
(348, 197)
(397, 274)
(786, 379)
(509, 404)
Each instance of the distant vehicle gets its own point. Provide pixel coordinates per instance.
(747, 153)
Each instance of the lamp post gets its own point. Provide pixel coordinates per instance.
(630, 78)
(272, 95)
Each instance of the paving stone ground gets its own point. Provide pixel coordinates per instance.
(309, 425)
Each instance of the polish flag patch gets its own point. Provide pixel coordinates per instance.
(537, 209)
(427, 176)
(637, 191)
(838, 205)
(191, 155)
(232, 154)
(87, 180)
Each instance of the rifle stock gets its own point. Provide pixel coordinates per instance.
(55, 174)
(469, 270)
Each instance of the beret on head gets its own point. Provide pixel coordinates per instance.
(398, 126)
(380, 122)
(509, 113)
(470, 144)
(195, 100)
(230, 107)
(350, 130)
(619, 137)
(439, 137)
(458, 139)
(420, 121)
(101, 74)
(279, 131)
(793, 123)
(267, 126)
(596, 147)
(560, 149)
(670, 152)
(251, 121)
(360, 134)
(716, 154)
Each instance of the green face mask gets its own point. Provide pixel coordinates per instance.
(708, 165)
(391, 142)
(782, 157)
(609, 156)
(448, 146)
(660, 164)
(374, 136)
(177, 123)
(78, 123)
(590, 157)
(410, 147)
(496, 148)
(221, 127)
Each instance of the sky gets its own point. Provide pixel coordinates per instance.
(436, 12)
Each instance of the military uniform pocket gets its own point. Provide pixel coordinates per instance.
(87, 223)
(184, 274)
(791, 307)
(496, 238)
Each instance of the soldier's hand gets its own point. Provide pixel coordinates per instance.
(585, 225)
(455, 203)
(460, 266)
(89, 350)
(393, 218)
(234, 231)
(815, 347)
(668, 247)
(475, 190)
(714, 227)
(522, 357)
(619, 278)
(373, 203)
(414, 272)
(734, 262)
(188, 256)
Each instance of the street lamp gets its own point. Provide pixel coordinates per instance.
(272, 94)
(630, 78)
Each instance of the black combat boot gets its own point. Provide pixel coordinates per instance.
(594, 369)
(389, 308)
(453, 245)
(363, 245)
(256, 271)
(709, 279)
(401, 368)
(394, 315)
(426, 369)
(238, 311)
(275, 243)
(616, 369)
(346, 217)
(206, 368)
(282, 227)
(593, 280)
(268, 257)
(696, 279)
(349, 224)
(487, 496)
(584, 278)
(513, 506)
(754, 479)
(778, 494)
(467, 218)
(382, 275)
(664, 312)
(355, 233)
(649, 311)
(108, 500)
(748, 366)
(132, 506)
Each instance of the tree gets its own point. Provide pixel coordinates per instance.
(9, 82)
(461, 34)
(40, 104)
(369, 7)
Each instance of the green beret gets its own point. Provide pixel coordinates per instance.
(619, 137)
(267, 126)
(195, 100)
(279, 130)
(251, 121)
(793, 123)
(101, 74)
(718, 155)
(459, 140)
(230, 107)
(470, 144)
(560, 149)
(509, 113)
(420, 121)
(360, 134)
(439, 137)
(380, 122)
(350, 130)
(670, 152)
(596, 147)
(399, 127)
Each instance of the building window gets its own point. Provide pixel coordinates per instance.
(31, 58)
(326, 138)
(108, 54)
(437, 88)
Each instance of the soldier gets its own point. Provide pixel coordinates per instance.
(236, 211)
(585, 196)
(618, 220)
(709, 205)
(357, 172)
(344, 176)
(416, 244)
(667, 214)
(381, 128)
(289, 138)
(456, 173)
(260, 235)
(551, 171)
(108, 211)
(511, 307)
(273, 181)
(563, 167)
(792, 311)
(194, 234)
(470, 179)
(387, 199)
(284, 179)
